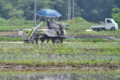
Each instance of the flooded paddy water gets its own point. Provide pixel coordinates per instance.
(61, 75)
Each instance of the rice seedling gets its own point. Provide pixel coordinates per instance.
(76, 52)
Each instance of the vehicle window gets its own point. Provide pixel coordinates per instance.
(109, 21)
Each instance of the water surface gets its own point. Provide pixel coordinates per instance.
(79, 75)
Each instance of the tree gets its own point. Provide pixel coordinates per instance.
(90, 10)
(116, 15)
(95, 10)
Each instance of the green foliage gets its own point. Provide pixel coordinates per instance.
(116, 15)
(93, 11)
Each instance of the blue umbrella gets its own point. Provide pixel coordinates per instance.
(48, 13)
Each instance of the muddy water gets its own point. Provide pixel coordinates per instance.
(61, 76)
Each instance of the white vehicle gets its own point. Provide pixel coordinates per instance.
(110, 24)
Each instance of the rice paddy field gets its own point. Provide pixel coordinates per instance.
(72, 54)
(75, 59)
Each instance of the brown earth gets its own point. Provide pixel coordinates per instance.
(60, 66)
(8, 33)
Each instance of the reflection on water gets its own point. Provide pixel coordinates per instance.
(61, 76)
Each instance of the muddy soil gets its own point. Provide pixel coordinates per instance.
(8, 33)
(60, 66)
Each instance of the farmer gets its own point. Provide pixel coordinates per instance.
(54, 25)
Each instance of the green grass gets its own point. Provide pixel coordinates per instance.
(78, 26)
(90, 40)
(10, 39)
(7, 25)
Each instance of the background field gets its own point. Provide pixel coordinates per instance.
(77, 27)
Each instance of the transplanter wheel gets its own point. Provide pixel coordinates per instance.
(57, 40)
